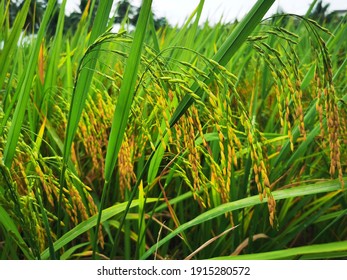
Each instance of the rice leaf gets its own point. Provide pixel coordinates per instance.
(11, 228)
(11, 43)
(51, 74)
(90, 223)
(292, 253)
(300, 191)
(122, 111)
(80, 93)
(227, 50)
(24, 90)
(85, 77)
(121, 114)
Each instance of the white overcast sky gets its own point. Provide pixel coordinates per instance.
(176, 11)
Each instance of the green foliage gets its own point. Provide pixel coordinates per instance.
(157, 143)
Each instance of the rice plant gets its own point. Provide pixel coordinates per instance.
(192, 142)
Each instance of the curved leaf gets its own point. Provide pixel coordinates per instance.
(328, 186)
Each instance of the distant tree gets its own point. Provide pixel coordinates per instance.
(72, 20)
(336, 16)
(123, 9)
(126, 9)
(37, 8)
(321, 15)
(35, 14)
(319, 12)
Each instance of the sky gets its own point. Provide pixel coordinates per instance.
(177, 11)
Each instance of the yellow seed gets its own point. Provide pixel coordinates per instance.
(250, 138)
(260, 197)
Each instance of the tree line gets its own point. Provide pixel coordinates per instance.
(123, 9)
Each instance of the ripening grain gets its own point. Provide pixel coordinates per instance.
(154, 143)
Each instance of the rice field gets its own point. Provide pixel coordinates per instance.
(194, 142)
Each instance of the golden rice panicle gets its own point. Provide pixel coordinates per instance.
(283, 98)
(343, 123)
(332, 112)
(41, 234)
(193, 156)
(47, 180)
(60, 116)
(199, 126)
(319, 107)
(127, 176)
(333, 124)
(232, 158)
(259, 167)
(178, 135)
(278, 89)
(299, 112)
(222, 150)
(218, 105)
(163, 108)
(74, 200)
(76, 207)
(288, 122)
(92, 132)
(182, 172)
(225, 188)
(343, 143)
(93, 210)
(294, 84)
(31, 220)
(271, 203)
(215, 178)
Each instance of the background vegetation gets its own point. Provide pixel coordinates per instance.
(225, 141)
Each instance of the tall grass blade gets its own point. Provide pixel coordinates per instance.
(50, 81)
(141, 223)
(39, 195)
(126, 94)
(85, 77)
(10, 45)
(228, 49)
(292, 253)
(90, 223)
(11, 228)
(24, 90)
(300, 191)
(81, 91)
